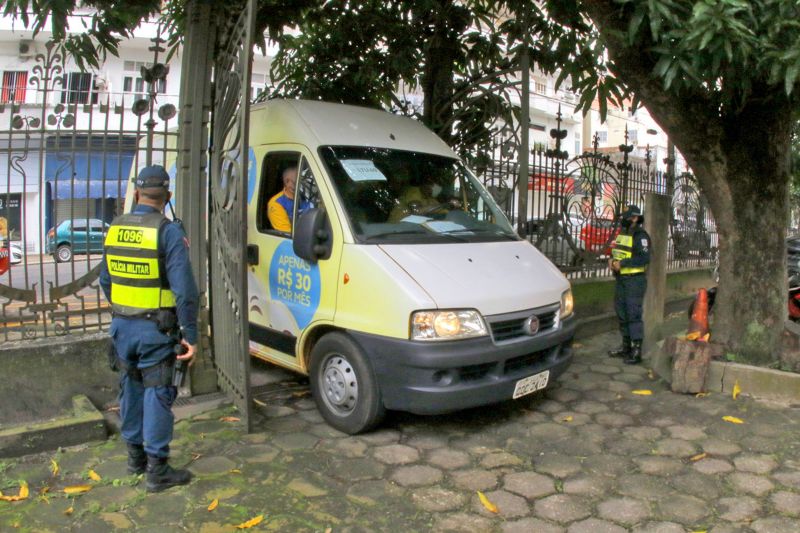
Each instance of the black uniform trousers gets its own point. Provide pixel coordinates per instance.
(628, 300)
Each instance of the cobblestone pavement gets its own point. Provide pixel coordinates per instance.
(587, 456)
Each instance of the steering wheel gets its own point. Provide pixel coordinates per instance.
(450, 205)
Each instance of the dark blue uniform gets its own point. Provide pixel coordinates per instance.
(147, 412)
(630, 288)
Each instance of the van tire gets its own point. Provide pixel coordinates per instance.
(344, 386)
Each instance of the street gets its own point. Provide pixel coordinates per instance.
(589, 455)
(55, 274)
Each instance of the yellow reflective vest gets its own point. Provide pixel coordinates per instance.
(624, 250)
(131, 248)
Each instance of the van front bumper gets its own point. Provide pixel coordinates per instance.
(440, 377)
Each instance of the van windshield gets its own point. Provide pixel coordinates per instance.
(395, 196)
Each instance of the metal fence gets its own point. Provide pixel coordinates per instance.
(67, 150)
(573, 205)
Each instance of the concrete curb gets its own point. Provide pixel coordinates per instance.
(85, 424)
(758, 382)
(603, 323)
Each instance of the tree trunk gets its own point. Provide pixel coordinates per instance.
(437, 76)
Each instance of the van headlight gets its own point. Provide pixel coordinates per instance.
(448, 324)
(567, 303)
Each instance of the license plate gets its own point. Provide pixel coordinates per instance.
(531, 384)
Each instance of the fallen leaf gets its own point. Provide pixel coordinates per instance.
(328, 530)
(650, 374)
(701, 395)
(94, 476)
(213, 505)
(250, 523)
(301, 393)
(54, 467)
(733, 420)
(196, 456)
(693, 336)
(77, 489)
(234, 471)
(577, 345)
(259, 402)
(642, 392)
(705, 337)
(492, 508)
(69, 510)
(22, 495)
(736, 390)
(44, 490)
(229, 419)
(698, 456)
(567, 419)
(113, 409)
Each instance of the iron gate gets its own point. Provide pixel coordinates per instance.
(228, 188)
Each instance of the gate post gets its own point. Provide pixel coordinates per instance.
(191, 187)
(657, 208)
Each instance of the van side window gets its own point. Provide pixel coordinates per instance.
(307, 190)
(273, 168)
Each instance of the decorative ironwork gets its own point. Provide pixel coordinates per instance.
(689, 229)
(228, 233)
(68, 146)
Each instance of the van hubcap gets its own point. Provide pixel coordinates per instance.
(339, 384)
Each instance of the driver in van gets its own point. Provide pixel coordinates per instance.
(415, 200)
(280, 208)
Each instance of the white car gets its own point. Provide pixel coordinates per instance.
(14, 253)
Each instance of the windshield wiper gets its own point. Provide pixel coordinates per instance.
(499, 233)
(393, 233)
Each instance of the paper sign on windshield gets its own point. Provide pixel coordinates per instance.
(362, 170)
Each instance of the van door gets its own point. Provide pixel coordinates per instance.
(288, 295)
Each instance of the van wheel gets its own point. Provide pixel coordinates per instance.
(63, 253)
(344, 386)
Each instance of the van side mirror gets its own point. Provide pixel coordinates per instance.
(312, 235)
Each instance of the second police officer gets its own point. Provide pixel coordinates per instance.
(147, 277)
(630, 257)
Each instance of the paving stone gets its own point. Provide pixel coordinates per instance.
(738, 509)
(286, 424)
(788, 478)
(659, 466)
(117, 521)
(549, 431)
(448, 459)
(557, 465)
(659, 527)
(324, 431)
(427, 442)
(675, 448)
(571, 418)
(550, 406)
(530, 525)
(474, 479)
(697, 484)
(396, 454)
(462, 523)
(686, 432)
(345, 447)
(616, 420)
(775, 525)
(627, 511)
(373, 493)
(750, 483)
(508, 505)
(381, 437)
(314, 416)
(113, 498)
(641, 486)
(258, 453)
(295, 441)
(529, 484)
(562, 508)
(437, 499)
(493, 460)
(759, 444)
(212, 465)
(756, 464)
(417, 475)
(356, 469)
(595, 525)
(644, 433)
(720, 447)
(712, 466)
(787, 503)
(606, 464)
(563, 395)
(683, 509)
(588, 485)
(590, 408)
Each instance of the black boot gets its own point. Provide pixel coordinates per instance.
(623, 351)
(161, 476)
(137, 459)
(635, 355)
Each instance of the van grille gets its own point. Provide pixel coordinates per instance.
(524, 361)
(475, 372)
(503, 330)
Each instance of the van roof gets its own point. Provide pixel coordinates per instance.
(315, 124)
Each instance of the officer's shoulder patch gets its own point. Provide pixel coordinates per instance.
(645, 242)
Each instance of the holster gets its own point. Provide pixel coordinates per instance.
(113, 363)
(133, 372)
(159, 375)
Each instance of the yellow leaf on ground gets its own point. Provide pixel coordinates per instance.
(259, 402)
(733, 420)
(54, 467)
(234, 471)
(229, 419)
(68, 511)
(701, 395)
(698, 456)
(705, 337)
(250, 523)
(77, 489)
(567, 419)
(693, 336)
(642, 392)
(736, 390)
(94, 476)
(213, 505)
(22, 495)
(492, 508)
(650, 374)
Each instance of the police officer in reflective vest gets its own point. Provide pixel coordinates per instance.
(630, 257)
(147, 277)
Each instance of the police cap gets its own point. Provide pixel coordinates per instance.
(632, 211)
(153, 177)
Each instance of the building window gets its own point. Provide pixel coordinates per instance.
(13, 89)
(539, 87)
(633, 137)
(578, 147)
(538, 127)
(79, 89)
(602, 137)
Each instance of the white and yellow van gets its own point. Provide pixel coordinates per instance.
(402, 285)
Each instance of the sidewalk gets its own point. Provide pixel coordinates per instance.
(590, 455)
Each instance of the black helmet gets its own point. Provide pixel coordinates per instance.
(632, 211)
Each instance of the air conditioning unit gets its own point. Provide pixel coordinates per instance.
(26, 49)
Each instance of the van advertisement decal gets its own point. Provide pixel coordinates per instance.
(251, 174)
(295, 283)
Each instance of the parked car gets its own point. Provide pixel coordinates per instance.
(13, 250)
(76, 236)
(598, 235)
